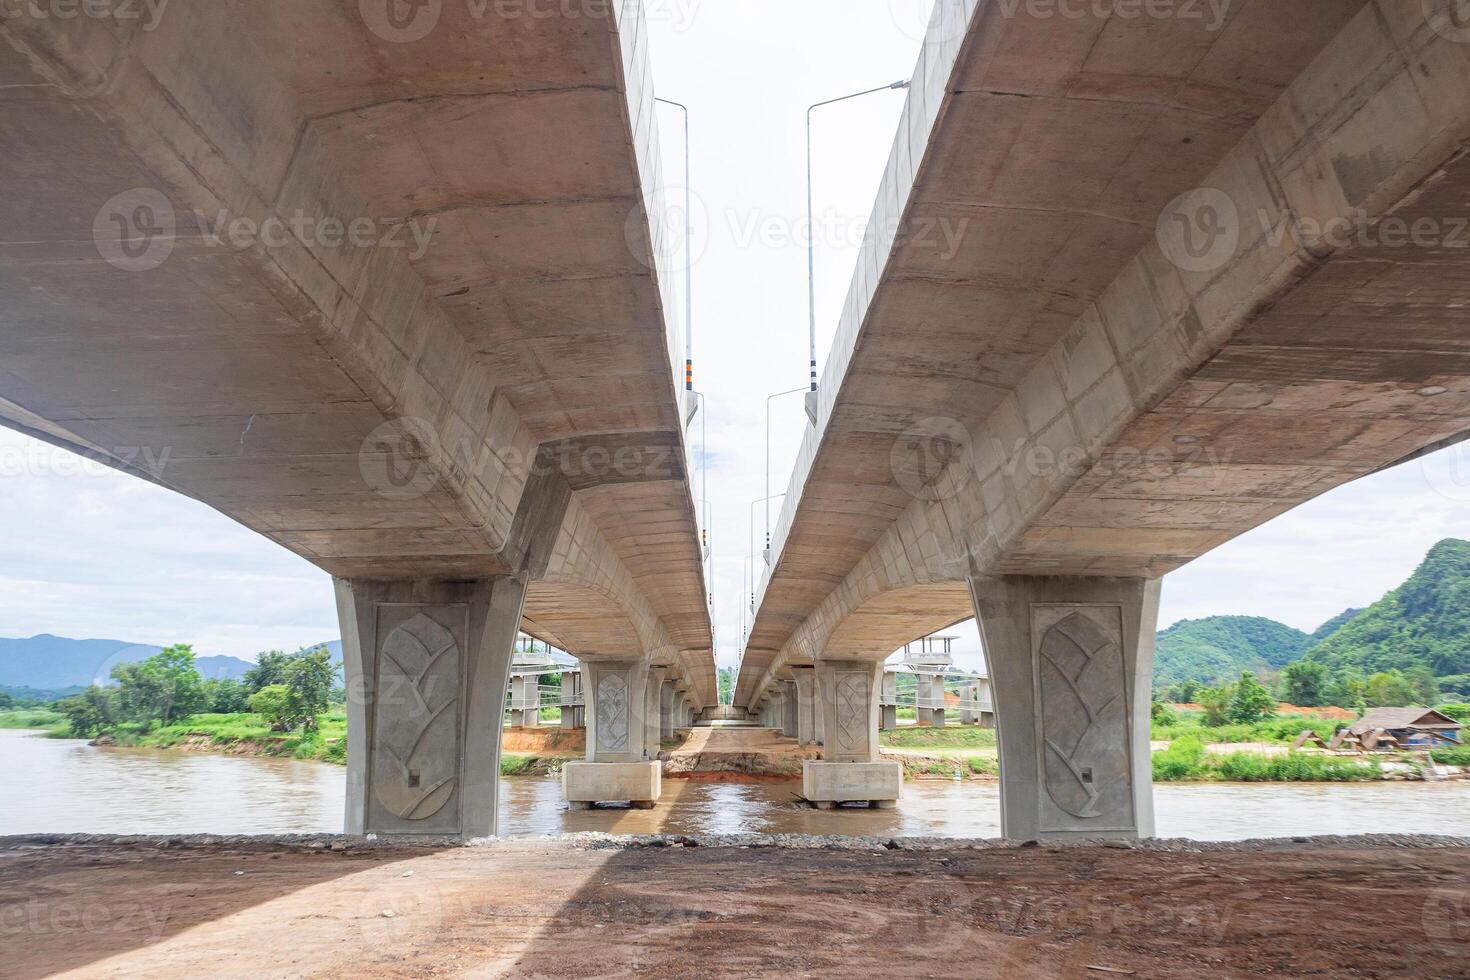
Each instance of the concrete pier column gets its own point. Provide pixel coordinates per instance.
(969, 694)
(888, 707)
(1071, 663)
(426, 665)
(525, 697)
(921, 700)
(850, 770)
(653, 703)
(806, 704)
(929, 700)
(666, 710)
(618, 765)
(790, 709)
(571, 693)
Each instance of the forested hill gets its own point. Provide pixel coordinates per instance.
(1219, 648)
(1423, 623)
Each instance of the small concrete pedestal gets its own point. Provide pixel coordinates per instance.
(826, 784)
(586, 783)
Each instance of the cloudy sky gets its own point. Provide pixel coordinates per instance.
(91, 553)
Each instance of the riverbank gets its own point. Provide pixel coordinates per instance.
(952, 752)
(43, 719)
(810, 906)
(250, 735)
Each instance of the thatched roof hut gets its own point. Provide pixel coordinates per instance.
(1407, 726)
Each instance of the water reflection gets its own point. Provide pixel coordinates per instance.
(64, 786)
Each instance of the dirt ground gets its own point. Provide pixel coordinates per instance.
(547, 740)
(564, 908)
(755, 752)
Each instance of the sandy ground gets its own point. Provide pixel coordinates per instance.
(573, 909)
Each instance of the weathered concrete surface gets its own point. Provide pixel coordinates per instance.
(733, 906)
(363, 289)
(611, 782)
(826, 783)
(1075, 656)
(1133, 345)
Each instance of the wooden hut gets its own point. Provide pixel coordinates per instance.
(1406, 727)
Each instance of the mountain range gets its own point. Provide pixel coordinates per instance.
(55, 664)
(1425, 622)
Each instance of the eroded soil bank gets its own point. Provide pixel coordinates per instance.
(598, 907)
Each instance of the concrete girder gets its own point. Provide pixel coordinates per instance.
(1292, 365)
(381, 407)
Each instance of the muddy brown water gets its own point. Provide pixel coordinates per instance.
(62, 786)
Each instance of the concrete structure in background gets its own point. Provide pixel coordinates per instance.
(256, 255)
(573, 700)
(929, 700)
(976, 705)
(1132, 286)
(525, 701)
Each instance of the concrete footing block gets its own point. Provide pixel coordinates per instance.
(611, 782)
(852, 782)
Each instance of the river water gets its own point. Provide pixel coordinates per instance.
(57, 786)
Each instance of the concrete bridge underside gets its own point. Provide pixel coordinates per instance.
(211, 278)
(1203, 274)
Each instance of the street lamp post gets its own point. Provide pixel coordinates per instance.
(751, 542)
(811, 229)
(688, 254)
(769, 399)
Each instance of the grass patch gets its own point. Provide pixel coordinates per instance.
(915, 766)
(248, 733)
(41, 718)
(1185, 759)
(1293, 767)
(1277, 730)
(528, 765)
(1458, 756)
(949, 737)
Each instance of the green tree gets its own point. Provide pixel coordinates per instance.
(309, 676)
(162, 689)
(1251, 702)
(90, 713)
(227, 697)
(270, 668)
(303, 693)
(1183, 693)
(1389, 689)
(273, 703)
(1424, 683)
(1216, 702)
(1304, 683)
